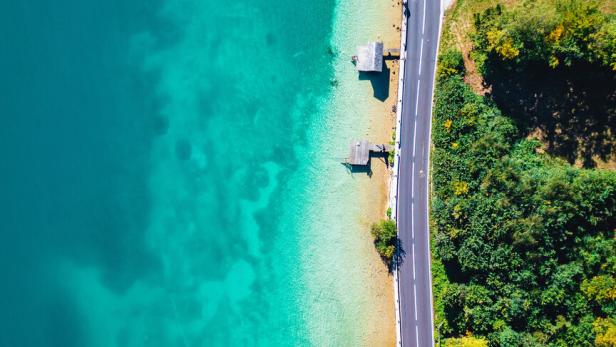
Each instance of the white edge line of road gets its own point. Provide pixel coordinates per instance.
(438, 43)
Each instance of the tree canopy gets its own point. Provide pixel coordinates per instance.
(385, 235)
(526, 240)
(556, 32)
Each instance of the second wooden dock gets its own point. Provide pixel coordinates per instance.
(360, 150)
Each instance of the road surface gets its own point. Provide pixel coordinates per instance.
(414, 277)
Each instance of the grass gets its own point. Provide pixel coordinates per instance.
(457, 28)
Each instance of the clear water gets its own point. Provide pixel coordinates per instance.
(159, 176)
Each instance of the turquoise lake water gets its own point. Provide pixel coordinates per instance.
(170, 175)
(147, 149)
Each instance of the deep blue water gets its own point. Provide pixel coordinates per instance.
(144, 159)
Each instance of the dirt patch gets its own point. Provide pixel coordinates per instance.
(457, 33)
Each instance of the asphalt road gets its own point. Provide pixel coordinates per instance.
(414, 277)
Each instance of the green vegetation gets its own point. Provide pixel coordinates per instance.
(605, 329)
(524, 242)
(466, 341)
(553, 32)
(385, 239)
(450, 63)
(550, 66)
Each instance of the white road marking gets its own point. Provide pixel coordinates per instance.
(414, 147)
(422, 175)
(413, 261)
(417, 335)
(417, 97)
(413, 198)
(423, 26)
(420, 55)
(415, 299)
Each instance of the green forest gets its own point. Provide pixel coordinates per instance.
(523, 230)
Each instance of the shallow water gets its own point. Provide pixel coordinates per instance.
(162, 182)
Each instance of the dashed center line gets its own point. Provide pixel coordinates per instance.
(413, 246)
(423, 26)
(420, 55)
(417, 99)
(415, 299)
(417, 335)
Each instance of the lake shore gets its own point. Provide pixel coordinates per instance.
(348, 292)
(374, 190)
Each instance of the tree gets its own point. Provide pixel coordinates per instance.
(526, 241)
(510, 338)
(605, 330)
(466, 341)
(601, 290)
(451, 63)
(385, 239)
(570, 32)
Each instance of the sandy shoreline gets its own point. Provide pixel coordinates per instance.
(375, 192)
(351, 290)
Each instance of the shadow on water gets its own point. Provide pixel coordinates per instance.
(379, 81)
(359, 169)
(573, 108)
(367, 169)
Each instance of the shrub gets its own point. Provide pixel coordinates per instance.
(466, 341)
(385, 239)
(451, 63)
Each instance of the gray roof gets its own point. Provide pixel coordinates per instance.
(370, 57)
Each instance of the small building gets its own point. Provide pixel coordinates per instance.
(369, 57)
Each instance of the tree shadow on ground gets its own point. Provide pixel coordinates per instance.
(379, 81)
(574, 109)
(393, 264)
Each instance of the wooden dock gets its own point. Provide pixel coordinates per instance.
(360, 150)
(391, 53)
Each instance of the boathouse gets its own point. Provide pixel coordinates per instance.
(369, 58)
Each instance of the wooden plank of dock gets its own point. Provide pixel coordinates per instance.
(359, 153)
(381, 148)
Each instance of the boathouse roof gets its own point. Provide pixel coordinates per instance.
(370, 57)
